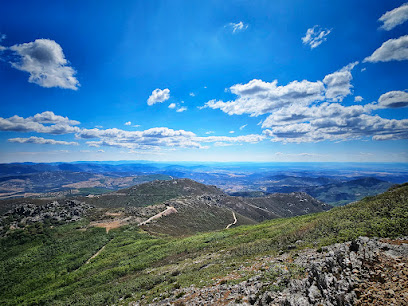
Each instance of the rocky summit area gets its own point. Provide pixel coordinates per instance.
(366, 271)
(54, 212)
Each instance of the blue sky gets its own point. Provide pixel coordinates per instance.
(204, 81)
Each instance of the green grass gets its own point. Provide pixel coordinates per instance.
(43, 265)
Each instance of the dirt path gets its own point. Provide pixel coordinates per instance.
(96, 254)
(169, 210)
(233, 223)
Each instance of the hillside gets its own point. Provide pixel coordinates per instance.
(45, 265)
(202, 208)
(152, 193)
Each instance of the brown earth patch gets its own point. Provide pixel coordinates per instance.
(110, 224)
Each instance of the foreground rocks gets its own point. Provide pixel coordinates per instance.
(366, 271)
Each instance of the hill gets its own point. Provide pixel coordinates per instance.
(69, 265)
(200, 207)
(152, 193)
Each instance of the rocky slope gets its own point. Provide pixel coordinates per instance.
(365, 271)
(61, 211)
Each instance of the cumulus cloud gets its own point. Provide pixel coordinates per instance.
(304, 111)
(237, 27)
(315, 36)
(2, 37)
(358, 98)
(393, 99)
(50, 117)
(192, 94)
(157, 137)
(40, 140)
(45, 61)
(340, 129)
(37, 123)
(394, 17)
(258, 97)
(172, 105)
(391, 50)
(158, 96)
(128, 123)
(338, 84)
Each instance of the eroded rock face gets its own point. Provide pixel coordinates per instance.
(366, 271)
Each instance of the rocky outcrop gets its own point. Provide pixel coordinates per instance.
(361, 272)
(55, 212)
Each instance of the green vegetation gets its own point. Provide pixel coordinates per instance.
(44, 265)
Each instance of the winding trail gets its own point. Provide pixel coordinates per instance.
(233, 223)
(169, 210)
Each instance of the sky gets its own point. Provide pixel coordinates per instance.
(204, 81)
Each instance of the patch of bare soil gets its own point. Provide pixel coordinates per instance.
(111, 224)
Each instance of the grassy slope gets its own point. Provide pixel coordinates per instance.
(50, 268)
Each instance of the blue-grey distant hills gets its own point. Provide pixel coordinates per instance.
(332, 183)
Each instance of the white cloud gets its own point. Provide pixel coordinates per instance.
(101, 151)
(50, 117)
(315, 36)
(172, 105)
(2, 37)
(338, 84)
(231, 132)
(258, 97)
(393, 99)
(209, 132)
(158, 96)
(394, 17)
(243, 127)
(40, 140)
(222, 144)
(128, 123)
(37, 123)
(391, 50)
(358, 98)
(251, 138)
(237, 27)
(192, 94)
(181, 109)
(310, 111)
(45, 61)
